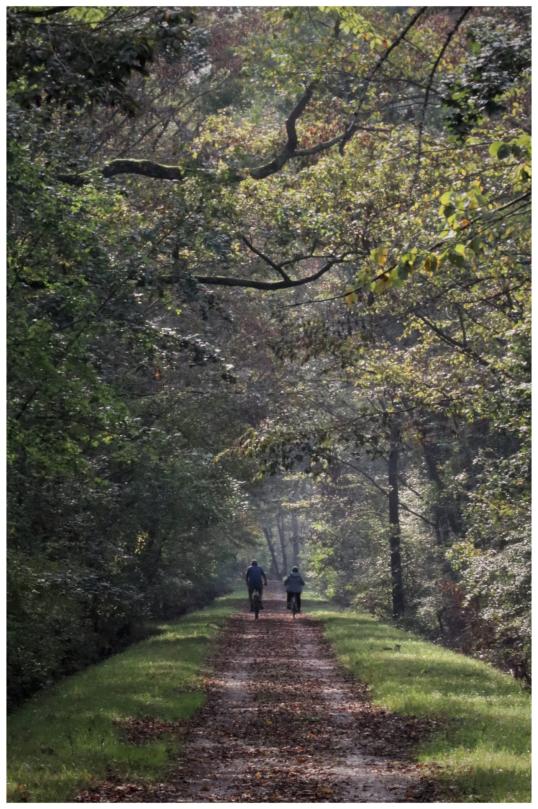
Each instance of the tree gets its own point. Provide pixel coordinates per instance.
(279, 243)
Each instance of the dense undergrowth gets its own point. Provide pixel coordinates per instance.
(483, 743)
(73, 734)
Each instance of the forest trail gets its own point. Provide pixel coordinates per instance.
(283, 723)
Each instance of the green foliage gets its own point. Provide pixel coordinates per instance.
(109, 524)
(498, 56)
(82, 59)
(145, 406)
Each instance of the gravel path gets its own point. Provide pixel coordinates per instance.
(284, 723)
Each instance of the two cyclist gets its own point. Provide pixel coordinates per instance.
(256, 580)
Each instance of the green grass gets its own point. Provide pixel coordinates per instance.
(65, 738)
(483, 746)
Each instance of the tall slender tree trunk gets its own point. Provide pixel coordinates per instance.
(448, 518)
(275, 570)
(295, 539)
(398, 601)
(282, 537)
(446, 512)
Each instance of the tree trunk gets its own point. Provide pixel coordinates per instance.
(447, 515)
(282, 536)
(275, 570)
(295, 537)
(398, 603)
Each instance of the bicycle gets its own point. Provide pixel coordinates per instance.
(294, 605)
(256, 603)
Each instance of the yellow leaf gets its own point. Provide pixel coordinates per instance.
(380, 255)
(382, 283)
(431, 262)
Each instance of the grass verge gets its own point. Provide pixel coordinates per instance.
(483, 746)
(67, 737)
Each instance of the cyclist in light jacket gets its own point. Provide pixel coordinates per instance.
(294, 584)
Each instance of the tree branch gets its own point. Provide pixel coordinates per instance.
(482, 218)
(290, 147)
(446, 338)
(265, 258)
(247, 283)
(43, 12)
(160, 171)
(352, 128)
(429, 85)
(146, 168)
(385, 492)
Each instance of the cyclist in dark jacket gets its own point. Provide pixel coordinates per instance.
(294, 584)
(255, 578)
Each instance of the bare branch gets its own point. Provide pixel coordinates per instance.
(433, 71)
(42, 12)
(295, 115)
(352, 128)
(247, 283)
(288, 151)
(265, 258)
(146, 168)
(320, 147)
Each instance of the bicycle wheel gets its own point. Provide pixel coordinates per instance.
(256, 605)
(294, 608)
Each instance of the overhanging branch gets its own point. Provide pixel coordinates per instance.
(161, 171)
(290, 150)
(146, 168)
(273, 264)
(247, 283)
(290, 147)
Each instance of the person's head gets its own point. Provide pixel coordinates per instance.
(254, 563)
(295, 569)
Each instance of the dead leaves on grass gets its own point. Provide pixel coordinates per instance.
(146, 729)
(282, 722)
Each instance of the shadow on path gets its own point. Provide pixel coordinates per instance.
(283, 723)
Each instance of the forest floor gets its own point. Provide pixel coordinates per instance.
(283, 722)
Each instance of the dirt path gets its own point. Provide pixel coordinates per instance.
(284, 723)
